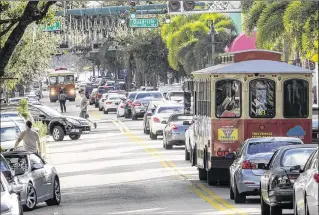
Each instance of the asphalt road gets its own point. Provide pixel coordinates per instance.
(118, 170)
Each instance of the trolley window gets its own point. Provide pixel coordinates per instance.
(228, 99)
(296, 98)
(262, 98)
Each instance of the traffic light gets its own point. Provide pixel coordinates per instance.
(180, 6)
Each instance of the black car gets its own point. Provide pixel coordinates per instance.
(58, 124)
(276, 184)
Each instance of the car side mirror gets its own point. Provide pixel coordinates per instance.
(15, 188)
(295, 169)
(186, 123)
(7, 174)
(262, 166)
(231, 155)
(36, 166)
(18, 171)
(164, 122)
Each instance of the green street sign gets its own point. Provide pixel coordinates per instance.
(143, 23)
(55, 27)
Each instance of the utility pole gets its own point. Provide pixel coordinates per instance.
(213, 32)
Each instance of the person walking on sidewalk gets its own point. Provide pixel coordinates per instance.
(62, 100)
(84, 108)
(31, 139)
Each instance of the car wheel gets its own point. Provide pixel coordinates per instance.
(105, 111)
(53, 100)
(58, 133)
(91, 103)
(231, 193)
(238, 197)
(31, 198)
(74, 136)
(153, 136)
(96, 104)
(306, 207)
(56, 200)
(20, 206)
(265, 209)
(187, 154)
(275, 210)
(202, 174)
(167, 146)
(72, 100)
(100, 108)
(134, 117)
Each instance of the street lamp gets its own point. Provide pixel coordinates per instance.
(212, 33)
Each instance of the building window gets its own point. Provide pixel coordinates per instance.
(262, 98)
(228, 99)
(296, 98)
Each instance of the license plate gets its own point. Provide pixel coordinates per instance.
(86, 132)
(142, 111)
(75, 130)
(116, 103)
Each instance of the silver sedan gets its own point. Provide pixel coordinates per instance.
(39, 180)
(244, 174)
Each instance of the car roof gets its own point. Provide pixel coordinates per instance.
(169, 105)
(9, 112)
(273, 139)
(145, 92)
(299, 146)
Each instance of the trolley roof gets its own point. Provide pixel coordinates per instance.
(61, 72)
(253, 66)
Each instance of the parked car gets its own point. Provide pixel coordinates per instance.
(149, 112)
(128, 104)
(10, 197)
(10, 132)
(33, 99)
(174, 131)
(60, 125)
(14, 115)
(159, 119)
(40, 180)
(101, 101)
(276, 183)
(305, 194)
(177, 96)
(141, 101)
(16, 100)
(92, 96)
(111, 103)
(244, 174)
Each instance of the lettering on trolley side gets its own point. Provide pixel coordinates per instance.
(261, 134)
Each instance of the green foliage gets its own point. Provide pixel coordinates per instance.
(41, 128)
(23, 109)
(188, 41)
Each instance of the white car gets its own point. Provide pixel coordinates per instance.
(120, 108)
(10, 197)
(159, 119)
(176, 96)
(111, 103)
(101, 101)
(306, 188)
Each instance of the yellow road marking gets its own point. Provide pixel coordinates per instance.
(199, 189)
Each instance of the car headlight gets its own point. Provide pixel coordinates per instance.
(72, 91)
(52, 92)
(73, 121)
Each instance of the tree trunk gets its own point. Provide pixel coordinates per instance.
(30, 14)
(286, 50)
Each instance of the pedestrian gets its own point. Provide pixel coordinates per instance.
(84, 108)
(31, 140)
(62, 100)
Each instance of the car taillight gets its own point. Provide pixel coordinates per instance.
(107, 103)
(137, 103)
(316, 177)
(155, 119)
(174, 127)
(121, 106)
(247, 165)
(129, 103)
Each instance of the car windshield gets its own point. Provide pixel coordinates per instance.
(171, 109)
(8, 115)
(49, 111)
(17, 161)
(131, 96)
(16, 100)
(264, 147)
(9, 133)
(298, 156)
(177, 94)
(149, 96)
(181, 118)
(3, 165)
